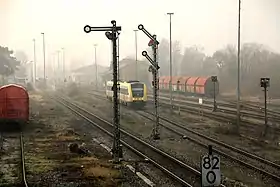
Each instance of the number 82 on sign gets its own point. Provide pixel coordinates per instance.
(211, 173)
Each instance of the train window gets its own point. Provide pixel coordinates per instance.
(124, 91)
(137, 85)
(137, 90)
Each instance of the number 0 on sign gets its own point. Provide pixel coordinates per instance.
(211, 173)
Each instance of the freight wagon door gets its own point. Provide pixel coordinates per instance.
(182, 84)
(175, 83)
(200, 85)
(191, 84)
(166, 83)
(161, 82)
(17, 103)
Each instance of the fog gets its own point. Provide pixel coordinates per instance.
(211, 24)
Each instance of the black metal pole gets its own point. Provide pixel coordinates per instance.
(111, 34)
(215, 106)
(265, 108)
(117, 152)
(155, 77)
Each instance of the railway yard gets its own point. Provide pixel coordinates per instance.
(189, 141)
(194, 109)
(68, 139)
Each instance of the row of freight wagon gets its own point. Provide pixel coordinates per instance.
(200, 86)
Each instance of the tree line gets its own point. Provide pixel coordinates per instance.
(11, 62)
(256, 61)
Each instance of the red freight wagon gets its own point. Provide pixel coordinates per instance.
(191, 85)
(183, 84)
(161, 79)
(200, 86)
(14, 103)
(174, 82)
(166, 83)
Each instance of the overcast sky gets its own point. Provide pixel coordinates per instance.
(209, 23)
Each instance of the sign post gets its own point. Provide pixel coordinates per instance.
(265, 83)
(214, 80)
(200, 113)
(211, 172)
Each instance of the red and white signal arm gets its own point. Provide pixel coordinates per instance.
(211, 171)
(151, 42)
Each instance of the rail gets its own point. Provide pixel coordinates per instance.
(24, 181)
(243, 153)
(222, 116)
(223, 153)
(148, 151)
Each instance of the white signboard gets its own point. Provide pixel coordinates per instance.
(200, 101)
(211, 173)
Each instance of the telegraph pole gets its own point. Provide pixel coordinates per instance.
(35, 68)
(58, 65)
(44, 53)
(136, 63)
(238, 71)
(63, 62)
(170, 62)
(53, 59)
(96, 75)
(112, 34)
(31, 69)
(154, 69)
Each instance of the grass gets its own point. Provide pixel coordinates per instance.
(42, 140)
(89, 159)
(67, 135)
(37, 98)
(66, 138)
(96, 168)
(40, 163)
(101, 172)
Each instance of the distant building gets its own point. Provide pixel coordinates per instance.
(127, 71)
(86, 74)
(22, 75)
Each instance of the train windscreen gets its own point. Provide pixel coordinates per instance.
(137, 90)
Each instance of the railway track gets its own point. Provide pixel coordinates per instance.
(231, 106)
(223, 100)
(12, 160)
(254, 127)
(246, 111)
(247, 124)
(174, 168)
(265, 167)
(258, 164)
